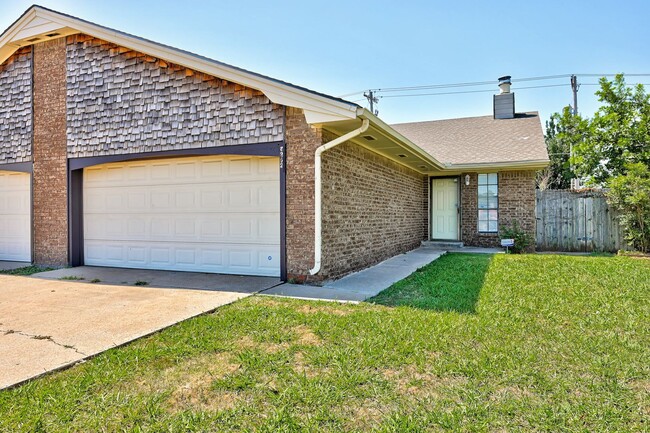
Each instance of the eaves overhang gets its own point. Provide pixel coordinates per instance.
(39, 24)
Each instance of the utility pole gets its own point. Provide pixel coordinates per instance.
(372, 99)
(575, 182)
(574, 88)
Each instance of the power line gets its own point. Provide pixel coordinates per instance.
(470, 91)
(483, 83)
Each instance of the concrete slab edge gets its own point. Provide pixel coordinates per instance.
(95, 354)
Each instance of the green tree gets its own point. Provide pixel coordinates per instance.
(630, 194)
(615, 153)
(619, 133)
(563, 131)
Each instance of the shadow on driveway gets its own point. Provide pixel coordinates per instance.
(162, 279)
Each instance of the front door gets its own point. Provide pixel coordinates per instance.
(444, 209)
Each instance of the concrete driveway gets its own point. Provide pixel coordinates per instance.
(49, 324)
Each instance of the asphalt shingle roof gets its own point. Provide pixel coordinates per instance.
(479, 140)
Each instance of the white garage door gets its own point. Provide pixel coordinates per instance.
(15, 217)
(207, 214)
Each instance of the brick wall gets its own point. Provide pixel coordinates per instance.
(50, 153)
(121, 101)
(372, 208)
(516, 203)
(16, 107)
(301, 143)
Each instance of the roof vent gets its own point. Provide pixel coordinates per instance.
(51, 35)
(33, 39)
(369, 137)
(504, 84)
(504, 102)
(402, 155)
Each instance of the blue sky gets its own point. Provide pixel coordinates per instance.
(340, 47)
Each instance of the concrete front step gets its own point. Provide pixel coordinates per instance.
(442, 244)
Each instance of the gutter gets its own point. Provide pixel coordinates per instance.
(526, 164)
(318, 186)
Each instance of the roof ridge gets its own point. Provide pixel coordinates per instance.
(536, 113)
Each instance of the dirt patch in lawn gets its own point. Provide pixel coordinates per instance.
(306, 336)
(511, 391)
(245, 342)
(411, 383)
(302, 366)
(190, 383)
(328, 309)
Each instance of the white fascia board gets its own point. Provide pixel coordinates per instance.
(317, 108)
(514, 165)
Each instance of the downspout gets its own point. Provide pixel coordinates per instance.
(318, 185)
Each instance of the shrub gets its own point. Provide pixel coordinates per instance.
(629, 194)
(522, 238)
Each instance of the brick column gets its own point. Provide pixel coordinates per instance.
(50, 186)
(301, 140)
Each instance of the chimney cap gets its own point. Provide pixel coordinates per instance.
(504, 79)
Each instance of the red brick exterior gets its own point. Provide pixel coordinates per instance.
(373, 208)
(50, 198)
(516, 203)
(301, 143)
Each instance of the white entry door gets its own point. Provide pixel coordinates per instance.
(216, 214)
(15, 217)
(444, 209)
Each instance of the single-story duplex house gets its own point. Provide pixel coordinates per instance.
(119, 151)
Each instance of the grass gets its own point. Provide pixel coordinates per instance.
(453, 284)
(26, 270)
(71, 278)
(541, 343)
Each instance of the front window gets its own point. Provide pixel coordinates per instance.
(488, 203)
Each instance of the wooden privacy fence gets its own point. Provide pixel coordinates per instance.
(576, 221)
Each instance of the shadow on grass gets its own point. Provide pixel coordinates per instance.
(451, 283)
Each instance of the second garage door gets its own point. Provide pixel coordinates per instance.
(15, 217)
(208, 214)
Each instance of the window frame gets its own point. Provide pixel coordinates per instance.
(490, 180)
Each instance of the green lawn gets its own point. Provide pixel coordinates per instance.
(478, 343)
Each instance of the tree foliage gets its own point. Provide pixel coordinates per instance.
(613, 150)
(563, 131)
(630, 194)
(618, 135)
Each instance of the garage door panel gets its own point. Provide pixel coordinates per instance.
(209, 214)
(222, 197)
(197, 257)
(15, 216)
(236, 228)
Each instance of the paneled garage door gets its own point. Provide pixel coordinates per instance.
(15, 217)
(207, 214)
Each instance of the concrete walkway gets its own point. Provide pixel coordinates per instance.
(8, 266)
(364, 284)
(165, 279)
(47, 325)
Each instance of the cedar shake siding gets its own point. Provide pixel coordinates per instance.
(121, 101)
(516, 203)
(373, 208)
(16, 107)
(50, 178)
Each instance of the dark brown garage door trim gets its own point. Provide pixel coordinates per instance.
(75, 187)
(21, 167)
